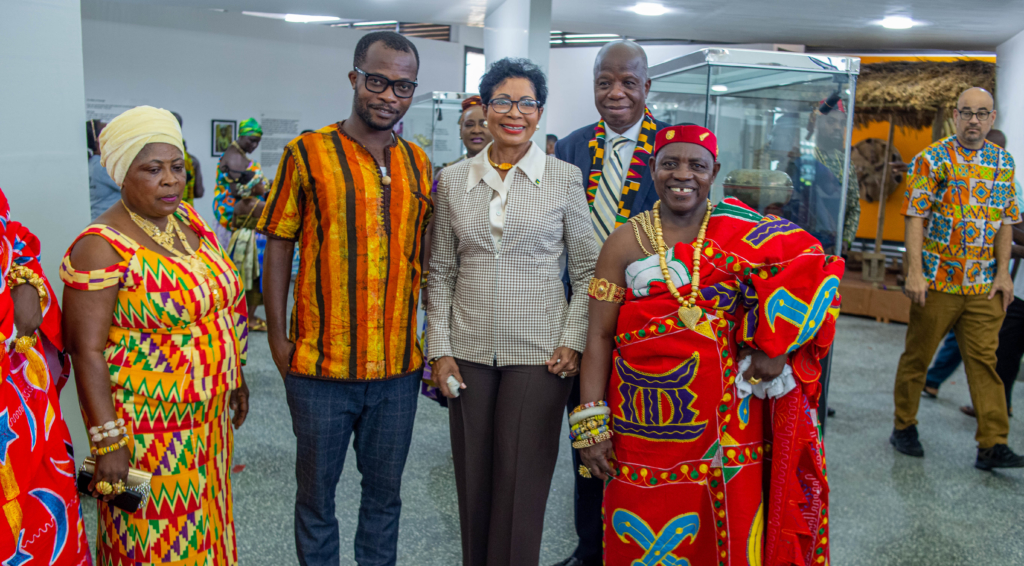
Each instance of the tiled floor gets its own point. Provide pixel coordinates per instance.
(887, 509)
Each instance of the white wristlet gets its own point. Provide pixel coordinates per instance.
(771, 389)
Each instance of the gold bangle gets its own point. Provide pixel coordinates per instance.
(20, 275)
(112, 448)
(587, 442)
(604, 290)
(24, 344)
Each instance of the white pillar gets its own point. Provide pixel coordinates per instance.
(43, 161)
(1009, 92)
(520, 28)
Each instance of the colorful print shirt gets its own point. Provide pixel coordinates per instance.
(966, 196)
(224, 201)
(360, 241)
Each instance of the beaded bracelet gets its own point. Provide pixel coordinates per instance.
(591, 422)
(109, 425)
(579, 408)
(99, 436)
(589, 433)
(592, 441)
(589, 413)
(112, 448)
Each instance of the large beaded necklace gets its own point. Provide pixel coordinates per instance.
(166, 240)
(689, 312)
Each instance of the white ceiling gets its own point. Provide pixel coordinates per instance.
(847, 24)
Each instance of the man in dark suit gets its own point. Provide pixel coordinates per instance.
(613, 155)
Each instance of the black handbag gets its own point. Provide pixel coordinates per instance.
(136, 493)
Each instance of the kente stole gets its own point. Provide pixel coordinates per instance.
(639, 162)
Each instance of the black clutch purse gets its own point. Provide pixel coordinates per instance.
(136, 493)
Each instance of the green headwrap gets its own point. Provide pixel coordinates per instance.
(250, 127)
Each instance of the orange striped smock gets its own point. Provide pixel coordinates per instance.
(359, 261)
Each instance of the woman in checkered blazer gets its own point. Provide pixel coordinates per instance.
(500, 329)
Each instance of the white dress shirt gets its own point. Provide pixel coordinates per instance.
(627, 149)
(480, 169)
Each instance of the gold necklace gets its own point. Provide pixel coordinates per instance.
(235, 145)
(503, 166)
(689, 312)
(166, 240)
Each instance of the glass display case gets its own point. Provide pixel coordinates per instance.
(783, 123)
(432, 123)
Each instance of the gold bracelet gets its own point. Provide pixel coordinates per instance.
(24, 344)
(586, 442)
(112, 448)
(604, 290)
(20, 275)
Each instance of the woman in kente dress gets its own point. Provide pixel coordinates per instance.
(238, 201)
(156, 327)
(707, 328)
(42, 515)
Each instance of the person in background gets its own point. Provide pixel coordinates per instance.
(613, 156)
(698, 396)
(958, 274)
(238, 202)
(193, 173)
(357, 199)
(163, 383)
(103, 191)
(552, 140)
(499, 323)
(1011, 335)
(830, 151)
(38, 467)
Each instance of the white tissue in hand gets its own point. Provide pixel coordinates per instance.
(453, 386)
(771, 389)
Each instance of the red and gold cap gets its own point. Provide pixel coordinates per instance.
(687, 134)
(472, 101)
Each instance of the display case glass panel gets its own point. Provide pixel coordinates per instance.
(780, 153)
(432, 123)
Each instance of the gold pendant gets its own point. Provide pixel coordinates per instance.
(690, 315)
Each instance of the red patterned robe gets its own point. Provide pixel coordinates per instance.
(705, 478)
(42, 516)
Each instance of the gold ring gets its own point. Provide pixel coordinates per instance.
(585, 472)
(119, 487)
(753, 381)
(104, 488)
(564, 374)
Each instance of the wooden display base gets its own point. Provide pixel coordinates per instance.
(874, 267)
(885, 302)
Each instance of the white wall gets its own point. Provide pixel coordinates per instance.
(571, 82)
(1010, 92)
(209, 65)
(43, 168)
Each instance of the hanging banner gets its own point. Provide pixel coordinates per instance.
(279, 128)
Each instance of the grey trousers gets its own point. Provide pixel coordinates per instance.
(505, 428)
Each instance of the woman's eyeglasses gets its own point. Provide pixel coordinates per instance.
(379, 83)
(504, 105)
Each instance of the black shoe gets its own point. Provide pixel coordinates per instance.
(906, 442)
(999, 456)
(573, 561)
(830, 412)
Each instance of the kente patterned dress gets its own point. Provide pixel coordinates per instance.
(246, 246)
(175, 350)
(703, 477)
(42, 514)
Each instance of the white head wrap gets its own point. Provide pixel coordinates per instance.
(125, 136)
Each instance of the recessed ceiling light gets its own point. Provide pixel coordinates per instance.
(897, 22)
(719, 88)
(380, 23)
(649, 9)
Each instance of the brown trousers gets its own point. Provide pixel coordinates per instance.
(976, 322)
(505, 427)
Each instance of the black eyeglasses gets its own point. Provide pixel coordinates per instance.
(504, 105)
(966, 114)
(379, 83)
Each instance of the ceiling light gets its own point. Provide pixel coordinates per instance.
(384, 23)
(719, 88)
(649, 9)
(304, 19)
(897, 22)
(590, 35)
(593, 40)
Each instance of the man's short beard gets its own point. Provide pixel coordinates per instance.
(363, 111)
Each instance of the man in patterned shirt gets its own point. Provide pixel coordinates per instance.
(960, 205)
(357, 199)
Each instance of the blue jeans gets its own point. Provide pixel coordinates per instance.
(325, 414)
(945, 363)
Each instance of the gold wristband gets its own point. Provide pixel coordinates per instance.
(19, 275)
(604, 290)
(590, 441)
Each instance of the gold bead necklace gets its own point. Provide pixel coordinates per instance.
(166, 240)
(689, 312)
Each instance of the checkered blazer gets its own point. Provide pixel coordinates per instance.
(509, 307)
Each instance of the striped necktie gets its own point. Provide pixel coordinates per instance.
(609, 190)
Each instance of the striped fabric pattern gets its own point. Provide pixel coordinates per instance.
(174, 352)
(359, 255)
